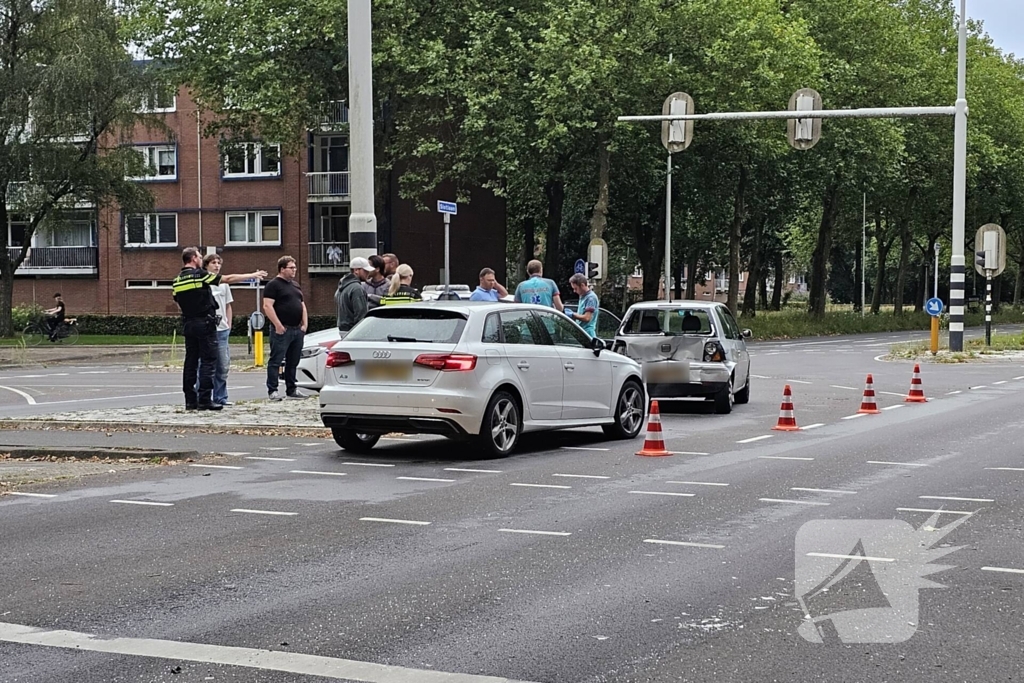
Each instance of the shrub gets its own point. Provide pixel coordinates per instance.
(23, 315)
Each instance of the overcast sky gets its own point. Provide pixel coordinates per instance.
(1004, 22)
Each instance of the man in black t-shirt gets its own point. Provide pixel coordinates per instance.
(55, 316)
(284, 308)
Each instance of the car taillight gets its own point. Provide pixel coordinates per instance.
(713, 352)
(447, 362)
(336, 359)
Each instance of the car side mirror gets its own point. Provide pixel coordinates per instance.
(746, 333)
(597, 345)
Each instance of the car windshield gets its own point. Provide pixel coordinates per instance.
(670, 321)
(403, 324)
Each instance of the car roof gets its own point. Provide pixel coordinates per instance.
(464, 305)
(685, 303)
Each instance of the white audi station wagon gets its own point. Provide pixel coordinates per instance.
(475, 370)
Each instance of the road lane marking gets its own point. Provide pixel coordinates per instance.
(791, 502)
(32, 495)
(387, 520)
(326, 474)
(756, 438)
(111, 398)
(534, 531)
(797, 488)
(144, 502)
(252, 658)
(964, 500)
(234, 452)
(584, 448)
(1002, 569)
(273, 448)
(891, 393)
(760, 377)
(1006, 469)
(1000, 382)
(581, 476)
(469, 469)
(813, 426)
(852, 557)
(944, 512)
(265, 512)
(980, 386)
(698, 483)
(782, 457)
(853, 417)
(312, 444)
(798, 381)
(951, 393)
(839, 386)
(665, 493)
(94, 372)
(688, 453)
(218, 467)
(269, 459)
(368, 464)
(1021, 377)
(901, 464)
(19, 392)
(443, 481)
(893, 407)
(683, 543)
(542, 486)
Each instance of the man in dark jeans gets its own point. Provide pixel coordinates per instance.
(284, 308)
(193, 295)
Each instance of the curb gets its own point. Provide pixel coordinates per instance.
(165, 428)
(29, 452)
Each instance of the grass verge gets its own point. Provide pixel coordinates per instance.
(974, 349)
(792, 324)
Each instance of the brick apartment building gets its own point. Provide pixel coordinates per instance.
(252, 205)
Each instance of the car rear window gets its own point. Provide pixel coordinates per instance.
(670, 321)
(401, 324)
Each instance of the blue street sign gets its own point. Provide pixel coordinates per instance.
(934, 306)
(447, 207)
(580, 267)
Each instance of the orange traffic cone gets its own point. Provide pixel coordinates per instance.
(916, 394)
(787, 422)
(654, 444)
(867, 404)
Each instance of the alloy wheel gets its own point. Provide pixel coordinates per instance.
(631, 410)
(504, 425)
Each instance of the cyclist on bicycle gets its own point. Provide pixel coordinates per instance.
(55, 316)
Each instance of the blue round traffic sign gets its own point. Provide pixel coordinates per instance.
(580, 267)
(934, 306)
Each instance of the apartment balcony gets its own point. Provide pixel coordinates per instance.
(57, 261)
(328, 186)
(328, 257)
(334, 116)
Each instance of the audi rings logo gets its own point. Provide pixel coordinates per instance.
(382, 354)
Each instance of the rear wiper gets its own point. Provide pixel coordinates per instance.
(392, 338)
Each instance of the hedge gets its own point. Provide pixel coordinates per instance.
(162, 325)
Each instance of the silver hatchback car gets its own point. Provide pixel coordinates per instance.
(688, 349)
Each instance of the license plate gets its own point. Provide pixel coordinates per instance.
(386, 372)
(667, 373)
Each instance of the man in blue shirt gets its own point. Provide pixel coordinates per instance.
(589, 307)
(538, 289)
(489, 289)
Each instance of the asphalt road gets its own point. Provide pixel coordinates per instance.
(573, 560)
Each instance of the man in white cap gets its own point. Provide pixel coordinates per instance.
(350, 299)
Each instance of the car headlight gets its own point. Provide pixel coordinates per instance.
(713, 352)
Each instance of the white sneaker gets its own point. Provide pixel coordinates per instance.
(274, 396)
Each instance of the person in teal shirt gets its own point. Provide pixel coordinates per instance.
(538, 289)
(589, 306)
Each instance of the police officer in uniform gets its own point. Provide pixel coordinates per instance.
(194, 297)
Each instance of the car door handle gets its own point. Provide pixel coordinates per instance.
(569, 366)
(523, 365)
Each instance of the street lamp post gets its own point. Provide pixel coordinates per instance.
(362, 222)
(956, 262)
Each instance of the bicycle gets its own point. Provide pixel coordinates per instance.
(66, 333)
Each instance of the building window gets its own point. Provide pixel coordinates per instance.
(161, 162)
(148, 284)
(17, 227)
(151, 230)
(162, 101)
(253, 227)
(252, 159)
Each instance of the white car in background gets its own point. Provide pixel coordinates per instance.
(434, 292)
(311, 370)
(475, 370)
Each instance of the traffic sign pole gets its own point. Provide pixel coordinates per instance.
(447, 262)
(933, 307)
(668, 231)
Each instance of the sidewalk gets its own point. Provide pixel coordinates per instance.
(140, 354)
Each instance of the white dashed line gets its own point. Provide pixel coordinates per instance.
(32, 495)
(443, 481)
(393, 521)
(797, 488)
(273, 448)
(1021, 377)
(265, 512)
(368, 464)
(94, 372)
(944, 512)
(1006, 469)
(952, 393)
(895, 407)
(683, 543)
(539, 533)
(688, 453)
(782, 457)
(901, 464)
(467, 469)
(813, 426)
(756, 438)
(1008, 570)
(325, 474)
(311, 444)
(980, 386)
(797, 381)
(998, 383)
(218, 467)
(853, 417)
(239, 453)
(852, 557)
(541, 486)
(268, 459)
(697, 483)
(891, 393)
(143, 502)
(839, 386)
(760, 377)
(964, 500)
(791, 502)
(582, 448)
(665, 493)
(581, 476)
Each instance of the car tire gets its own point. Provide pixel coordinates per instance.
(353, 441)
(629, 412)
(742, 396)
(501, 426)
(724, 399)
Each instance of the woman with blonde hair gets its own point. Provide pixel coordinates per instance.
(401, 290)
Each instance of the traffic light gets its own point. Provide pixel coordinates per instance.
(594, 271)
(979, 259)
